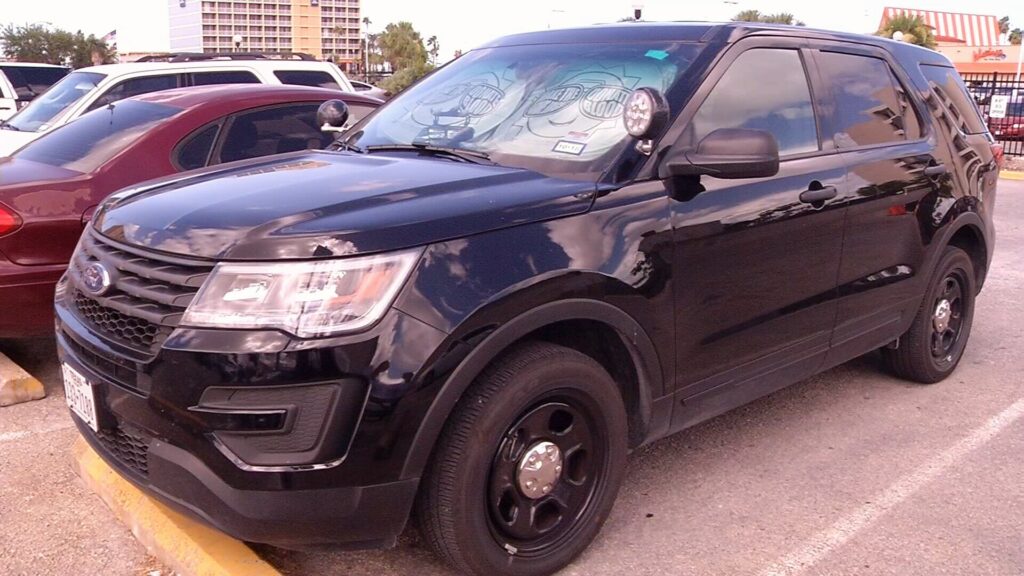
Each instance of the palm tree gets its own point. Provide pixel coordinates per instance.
(914, 30)
(757, 16)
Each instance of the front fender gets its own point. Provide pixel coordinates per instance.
(488, 344)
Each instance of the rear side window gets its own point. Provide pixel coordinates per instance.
(763, 89)
(307, 78)
(952, 95)
(273, 131)
(30, 81)
(135, 87)
(195, 151)
(870, 108)
(224, 77)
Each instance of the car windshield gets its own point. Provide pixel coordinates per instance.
(556, 109)
(42, 111)
(93, 139)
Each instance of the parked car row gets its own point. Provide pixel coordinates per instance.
(559, 247)
(88, 89)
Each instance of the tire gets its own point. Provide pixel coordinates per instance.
(923, 355)
(473, 501)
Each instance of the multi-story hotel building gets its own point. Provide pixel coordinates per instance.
(327, 29)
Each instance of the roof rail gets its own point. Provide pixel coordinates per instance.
(202, 56)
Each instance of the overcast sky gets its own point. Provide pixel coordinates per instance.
(463, 24)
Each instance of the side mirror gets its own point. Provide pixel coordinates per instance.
(727, 153)
(332, 116)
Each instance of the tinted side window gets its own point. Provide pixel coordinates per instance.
(29, 81)
(224, 77)
(307, 78)
(134, 87)
(195, 151)
(273, 131)
(868, 108)
(952, 95)
(763, 89)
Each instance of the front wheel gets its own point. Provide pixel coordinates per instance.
(529, 465)
(935, 343)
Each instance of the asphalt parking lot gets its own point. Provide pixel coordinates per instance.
(850, 472)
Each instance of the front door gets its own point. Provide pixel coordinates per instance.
(756, 260)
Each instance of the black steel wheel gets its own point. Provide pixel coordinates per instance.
(528, 467)
(935, 342)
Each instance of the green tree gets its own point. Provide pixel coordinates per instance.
(757, 16)
(37, 43)
(914, 30)
(1015, 35)
(1004, 25)
(401, 46)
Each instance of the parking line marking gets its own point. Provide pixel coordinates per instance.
(12, 436)
(822, 544)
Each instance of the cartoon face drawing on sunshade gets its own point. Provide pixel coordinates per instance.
(464, 104)
(584, 103)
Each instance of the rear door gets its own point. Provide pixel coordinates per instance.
(756, 264)
(895, 172)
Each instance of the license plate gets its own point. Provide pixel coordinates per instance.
(80, 397)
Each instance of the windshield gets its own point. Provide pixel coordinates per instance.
(93, 139)
(556, 109)
(44, 109)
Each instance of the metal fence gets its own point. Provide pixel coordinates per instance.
(1001, 100)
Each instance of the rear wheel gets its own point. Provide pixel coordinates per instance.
(528, 467)
(935, 343)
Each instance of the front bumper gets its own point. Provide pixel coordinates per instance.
(151, 434)
(357, 516)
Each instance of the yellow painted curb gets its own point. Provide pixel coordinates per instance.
(184, 545)
(16, 385)
(1010, 175)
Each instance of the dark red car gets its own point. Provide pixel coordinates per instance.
(49, 188)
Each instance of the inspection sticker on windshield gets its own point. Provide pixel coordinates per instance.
(569, 147)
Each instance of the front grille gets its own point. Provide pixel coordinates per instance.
(129, 329)
(128, 448)
(118, 370)
(147, 297)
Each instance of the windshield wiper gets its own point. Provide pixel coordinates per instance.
(474, 156)
(8, 126)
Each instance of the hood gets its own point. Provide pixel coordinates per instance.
(325, 204)
(11, 140)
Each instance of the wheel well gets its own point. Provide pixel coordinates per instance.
(969, 240)
(604, 344)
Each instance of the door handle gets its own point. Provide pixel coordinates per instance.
(818, 195)
(936, 170)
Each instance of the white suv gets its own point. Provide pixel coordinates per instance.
(21, 82)
(87, 89)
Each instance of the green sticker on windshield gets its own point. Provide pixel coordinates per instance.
(657, 54)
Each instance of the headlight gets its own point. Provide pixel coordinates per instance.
(307, 299)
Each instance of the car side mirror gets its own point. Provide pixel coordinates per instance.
(726, 153)
(332, 116)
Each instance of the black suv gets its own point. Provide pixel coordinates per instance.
(559, 247)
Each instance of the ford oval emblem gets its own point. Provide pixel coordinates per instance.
(96, 279)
